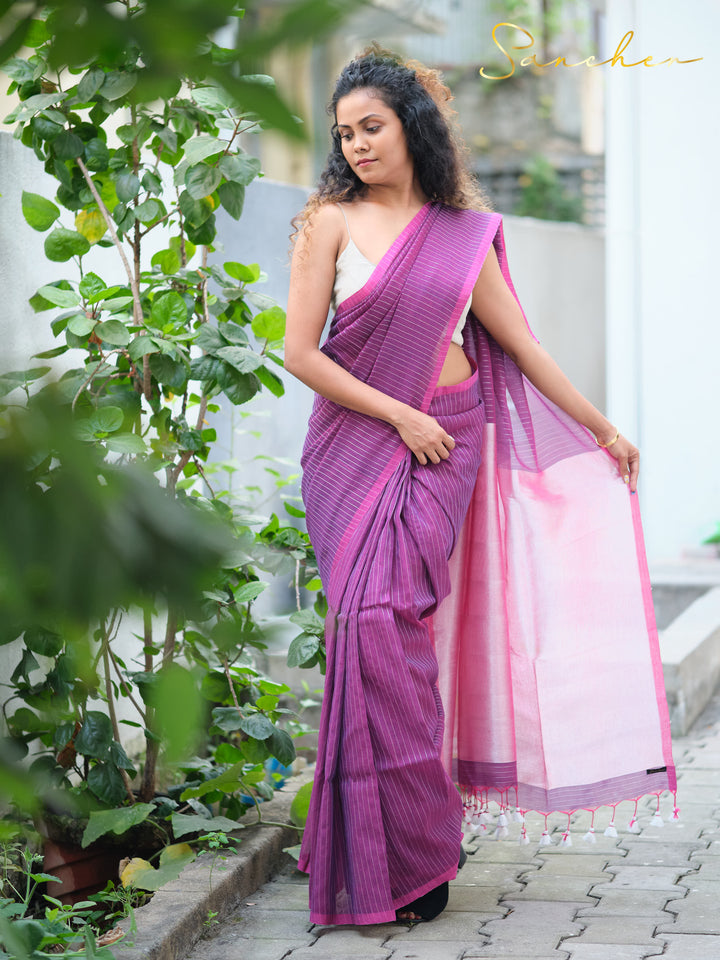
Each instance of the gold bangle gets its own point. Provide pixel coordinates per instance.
(609, 443)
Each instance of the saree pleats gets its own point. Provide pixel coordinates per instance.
(471, 650)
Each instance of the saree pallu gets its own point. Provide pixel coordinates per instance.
(490, 622)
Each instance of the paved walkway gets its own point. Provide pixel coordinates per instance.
(625, 898)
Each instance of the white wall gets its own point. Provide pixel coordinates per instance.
(663, 207)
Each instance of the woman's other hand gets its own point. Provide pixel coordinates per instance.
(628, 460)
(422, 434)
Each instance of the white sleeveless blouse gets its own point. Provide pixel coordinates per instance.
(353, 270)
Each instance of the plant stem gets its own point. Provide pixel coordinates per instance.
(110, 696)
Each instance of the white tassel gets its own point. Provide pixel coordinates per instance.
(545, 840)
(633, 826)
(524, 838)
(501, 833)
(566, 840)
(486, 817)
(657, 820)
(477, 828)
(590, 836)
(518, 817)
(611, 830)
(502, 820)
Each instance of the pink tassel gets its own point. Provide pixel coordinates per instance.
(633, 826)
(676, 808)
(518, 816)
(545, 840)
(566, 839)
(590, 836)
(524, 839)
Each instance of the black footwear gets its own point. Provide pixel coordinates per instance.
(431, 904)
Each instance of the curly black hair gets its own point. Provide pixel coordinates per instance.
(421, 101)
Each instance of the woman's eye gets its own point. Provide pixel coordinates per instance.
(372, 129)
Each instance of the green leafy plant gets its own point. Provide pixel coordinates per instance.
(542, 194)
(158, 339)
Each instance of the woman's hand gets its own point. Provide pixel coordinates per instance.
(422, 434)
(628, 460)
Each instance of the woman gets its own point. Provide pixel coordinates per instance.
(469, 529)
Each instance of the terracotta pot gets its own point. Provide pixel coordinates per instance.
(81, 872)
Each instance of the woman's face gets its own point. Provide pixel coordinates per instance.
(372, 138)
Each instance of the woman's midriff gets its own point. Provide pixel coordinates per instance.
(456, 367)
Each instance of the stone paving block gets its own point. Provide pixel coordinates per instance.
(642, 878)
(280, 896)
(475, 898)
(498, 875)
(685, 946)
(658, 853)
(504, 851)
(710, 853)
(632, 903)
(550, 887)
(581, 848)
(618, 951)
(238, 949)
(697, 912)
(698, 776)
(428, 949)
(607, 930)
(316, 953)
(450, 925)
(682, 830)
(582, 865)
(254, 922)
(530, 929)
(707, 870)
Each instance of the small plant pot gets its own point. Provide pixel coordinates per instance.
(80, 871)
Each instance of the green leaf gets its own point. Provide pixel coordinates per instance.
(257, 725)
(227, 719)
(195, 212)
(302, 649)
(49, 354)
(148, 210)
(113, 332)
(178, 711)
(308, 621)
(45, 642)
(240, 168)
(42, 100)
(39, 212)
(168, 261)
(59, 297)
(232, 197)
(117, 84)
(281, 746)
(246, 273)
(67, 146)
(169, 308)
(270, 380)
(21, 937)
(107, 419)
(127, 186)
(226, 782)
(249, 591)
(105, 781)
(95, 735)
(37, 34)
(237, 387)
(294, 512)
(300, 806)
(119, 821)
(97, 155)
(183, 823)
(120, 758)
(81, 325)
(91, 285)
(46, 129)
(62, 244)
(91, 224)
(241, 358)
(269, 324)
(129, 443)
(90, 84)
(201, 180)
(201, 147)
(141, 345)
(171, 373)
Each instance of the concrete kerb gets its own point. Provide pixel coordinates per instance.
(172, 922)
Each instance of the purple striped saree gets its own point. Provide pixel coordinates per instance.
(490, 622)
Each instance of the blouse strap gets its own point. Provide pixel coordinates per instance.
(346, 221)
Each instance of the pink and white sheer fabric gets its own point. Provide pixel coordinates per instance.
(491, 625)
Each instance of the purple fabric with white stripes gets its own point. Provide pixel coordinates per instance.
(442, 607)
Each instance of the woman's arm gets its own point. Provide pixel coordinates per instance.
(311, 281)
(495, 306)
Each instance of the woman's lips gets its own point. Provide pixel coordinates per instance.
(364, 163)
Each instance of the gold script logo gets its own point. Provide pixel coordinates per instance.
(615, 60)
